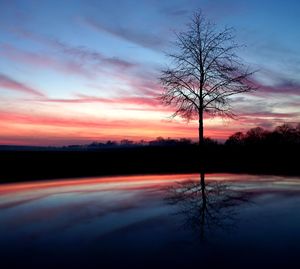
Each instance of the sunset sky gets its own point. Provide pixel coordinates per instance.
(78, 71)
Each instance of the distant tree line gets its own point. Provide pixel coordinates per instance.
(285, 134)
(282, 135)
(158, 142)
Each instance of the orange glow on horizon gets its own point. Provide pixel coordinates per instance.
(44, 129)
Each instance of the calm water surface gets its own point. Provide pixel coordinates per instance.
(157, 221)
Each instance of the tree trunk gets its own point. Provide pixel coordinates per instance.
(201, 150)
(201, 133)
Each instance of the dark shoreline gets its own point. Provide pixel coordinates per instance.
(27, 165)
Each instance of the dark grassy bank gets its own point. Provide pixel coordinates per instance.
(23, 165)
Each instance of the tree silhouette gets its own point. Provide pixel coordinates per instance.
(205, 72)
(236, 139)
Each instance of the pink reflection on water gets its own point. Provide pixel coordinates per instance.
(90, 208)
(119, 182)
(116, 182)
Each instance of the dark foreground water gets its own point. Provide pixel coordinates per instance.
(159, 221)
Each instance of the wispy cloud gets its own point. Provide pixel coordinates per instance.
(89, 55)
(266, 109)
(142, 38)
(9, 83)
(44, 61)
(124, 102)
(174, 12)
(278, 85)
(81, 60)
(80, 53)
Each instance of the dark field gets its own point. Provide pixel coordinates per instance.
(28, 164)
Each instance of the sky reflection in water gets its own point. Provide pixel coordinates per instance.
(129, 221)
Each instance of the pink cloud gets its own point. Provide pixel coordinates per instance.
(21, 125)
(47, 129)
(8, 83)
(130, 100)
(38, 129)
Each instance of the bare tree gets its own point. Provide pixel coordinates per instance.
(205, 72)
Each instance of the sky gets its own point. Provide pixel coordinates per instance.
(78, 71)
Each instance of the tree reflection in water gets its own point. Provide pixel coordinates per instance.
(206, 207)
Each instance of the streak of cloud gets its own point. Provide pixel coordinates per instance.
(9, 83)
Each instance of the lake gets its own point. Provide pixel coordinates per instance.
(156, 220)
